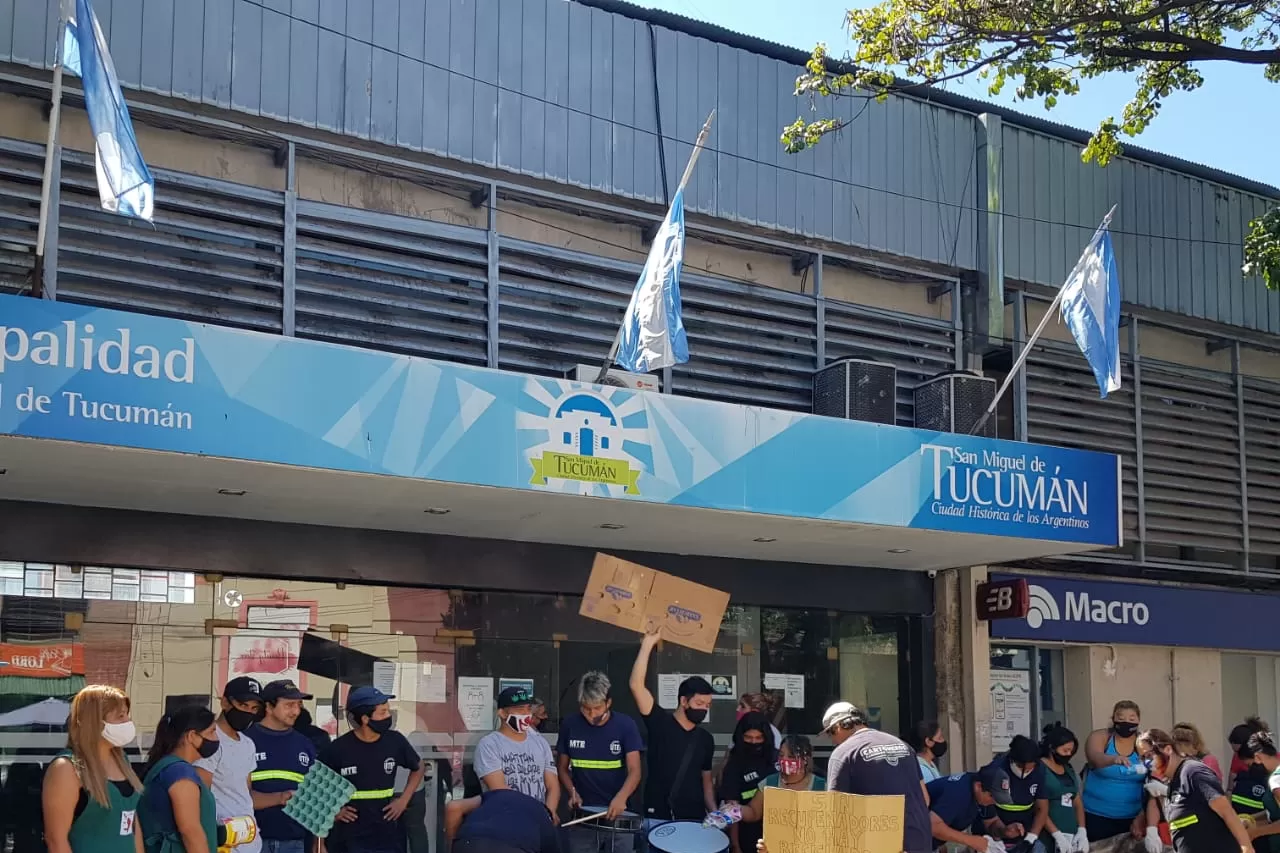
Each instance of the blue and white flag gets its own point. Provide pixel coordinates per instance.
(653, 335)
(124, 181)
(1091, 308)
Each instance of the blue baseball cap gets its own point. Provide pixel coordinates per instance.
(367, 697)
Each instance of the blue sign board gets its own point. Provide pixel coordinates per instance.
(82, 374)
(1095, 611)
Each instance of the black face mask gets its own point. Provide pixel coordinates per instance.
(1125, 729)
(754, 748)
(1064, 760)
(240, 720)
(381, 726)
(207, 747)
(939, 748)
(696, 715)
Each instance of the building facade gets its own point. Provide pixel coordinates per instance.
(385, 244)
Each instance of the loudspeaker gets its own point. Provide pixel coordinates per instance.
(955, 402)
(857, 389)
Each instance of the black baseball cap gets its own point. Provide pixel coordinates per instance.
(282, 689)
(512, 696)
(995, 781)
(242, 689)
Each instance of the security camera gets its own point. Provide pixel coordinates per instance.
(933, 573)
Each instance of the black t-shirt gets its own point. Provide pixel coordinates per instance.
(1024, 791)
(1196, 828)
(740, 782)
(371, 767)
(876, 763)
(668, 744)
(514, 819)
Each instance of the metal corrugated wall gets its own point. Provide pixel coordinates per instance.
(217, 253)
(553, 90)
(1178, 239)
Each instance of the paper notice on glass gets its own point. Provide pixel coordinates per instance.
(384, 676)
(1010, 706)
(792, 687)
(431, 682)
(668, 689)
(475, 703)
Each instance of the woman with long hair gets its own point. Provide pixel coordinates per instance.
(177, 809)
(90, 794)
(927, 740)
(751, 760)
(1189, 741)
(1201, 819)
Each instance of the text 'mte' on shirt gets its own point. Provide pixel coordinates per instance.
(524, 763)
(371, 767)
(598, 755)
(668, 743)
(872, 763)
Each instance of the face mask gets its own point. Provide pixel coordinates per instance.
(119, 734)
(1124, 729)
(1064, 760)
(381, 726)
(791, 766)
(939, 748)
(754, 748)
(696, 715)
(240, 720)
(598, 720)
(207, 747)
(1020, 772)
(519, 722)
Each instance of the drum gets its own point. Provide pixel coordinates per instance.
(686, 836)
(627, 822)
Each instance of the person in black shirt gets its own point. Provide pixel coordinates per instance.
(751, 760)
(680, 751)
(1021, 820)
(956, 804)
(500, 821)
(1200, 815)
(367, 757)
(870, 762)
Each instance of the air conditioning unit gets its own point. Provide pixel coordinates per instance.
(857, 389)
(616, 378)
(955, 402)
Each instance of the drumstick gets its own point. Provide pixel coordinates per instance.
(583, 819)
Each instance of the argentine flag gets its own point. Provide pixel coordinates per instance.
(124, 181)
(652, 335)
(1091, 308)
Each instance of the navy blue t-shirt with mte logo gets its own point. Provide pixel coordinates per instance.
(951, 798)
(871, 763)
(283, 759)
(598, 755)
(1025, 791)
(371, 767)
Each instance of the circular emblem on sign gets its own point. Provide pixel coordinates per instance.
(583, 440)
(615, 748)
(232, 598)
(389, 765)
(664, 831)
(304, 759)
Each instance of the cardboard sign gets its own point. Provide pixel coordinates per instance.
(641, 599)
(59, 660)
(831, 822)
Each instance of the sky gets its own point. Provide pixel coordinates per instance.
(1231, 123)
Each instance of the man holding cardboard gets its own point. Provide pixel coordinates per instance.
(679, 786)
(871, 763)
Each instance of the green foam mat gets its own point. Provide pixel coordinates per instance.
(320, 796)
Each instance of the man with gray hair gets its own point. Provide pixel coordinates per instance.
(599, 763)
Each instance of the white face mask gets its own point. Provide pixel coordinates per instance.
(119, 734)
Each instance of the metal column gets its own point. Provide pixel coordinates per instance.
(820, 309)
(491, 285)
(1138, 462)
(290, 253)
(1243, 449)
(1020, 381)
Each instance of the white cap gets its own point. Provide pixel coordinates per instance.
(840, 712)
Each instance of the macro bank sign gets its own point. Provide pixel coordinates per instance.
(1095, 611)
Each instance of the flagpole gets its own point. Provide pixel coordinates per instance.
(1026, 348)
(52, 153)
(698, 145)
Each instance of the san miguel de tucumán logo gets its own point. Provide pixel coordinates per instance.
(587, 439)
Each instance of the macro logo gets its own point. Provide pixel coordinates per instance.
(589, 441)
(1083, 607)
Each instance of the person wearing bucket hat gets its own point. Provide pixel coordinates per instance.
(367, 757)
(284, 756)
(957, 801)
(515, 755)
(226, 772)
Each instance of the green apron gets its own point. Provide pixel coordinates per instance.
(170, 841)
(107, 829)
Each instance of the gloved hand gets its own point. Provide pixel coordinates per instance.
(1151, 842)
(1156, 788)
(1027, 844)
(1080, 842)
(1063, 842)
(994, 846)
(1137, 769)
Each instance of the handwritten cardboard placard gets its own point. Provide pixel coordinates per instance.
(831, 822)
